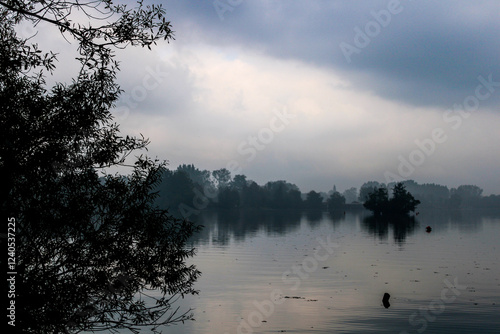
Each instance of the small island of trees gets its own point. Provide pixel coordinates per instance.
(401, 202)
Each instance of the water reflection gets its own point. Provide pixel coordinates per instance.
(368, 285)
(338, 216)
(222, 226)
(314, 216)
(380, 226)
(463, 220)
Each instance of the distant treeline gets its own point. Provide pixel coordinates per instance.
(439, 196)
(188, 190)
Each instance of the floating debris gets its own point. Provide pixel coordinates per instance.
(385, 300)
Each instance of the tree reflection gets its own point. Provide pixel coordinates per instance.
(314, 217)
(402, 226)
(223, 225)
(336, 216)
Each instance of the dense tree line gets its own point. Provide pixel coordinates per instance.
(192, 189)
(189, 187)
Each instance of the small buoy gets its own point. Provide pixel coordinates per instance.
(428, 229)
(385, 300)
(417, 213)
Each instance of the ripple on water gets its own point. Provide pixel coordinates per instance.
(343, 292)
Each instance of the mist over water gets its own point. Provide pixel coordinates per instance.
(271, 271)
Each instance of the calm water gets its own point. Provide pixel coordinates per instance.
(270, 272)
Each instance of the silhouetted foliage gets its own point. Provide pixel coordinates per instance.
(239, 182)
(314, 201)
(335, 202)
(468, 195)
(378, 201)
(283, 195)
(90, 246)
(176, 187)
(492, 201)
(429, 194)
(454, 201)
(253, 196)
(402, 202)
(367, 188)
(218, 189)
(468, 192)
(228, 198)
(222, 177)
(200, 177)
(350, 195)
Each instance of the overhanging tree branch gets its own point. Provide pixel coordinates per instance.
(79, 231)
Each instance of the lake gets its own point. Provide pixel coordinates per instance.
(275, 272)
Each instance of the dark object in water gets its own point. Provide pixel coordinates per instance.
(428, 229)
(385, 300)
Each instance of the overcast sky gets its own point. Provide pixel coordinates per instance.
(323, 92)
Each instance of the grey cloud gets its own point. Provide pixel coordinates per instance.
(430, 53)
(155, 86)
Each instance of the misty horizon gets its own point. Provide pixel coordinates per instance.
(318, 92)
(256, 166)
(328, 188)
